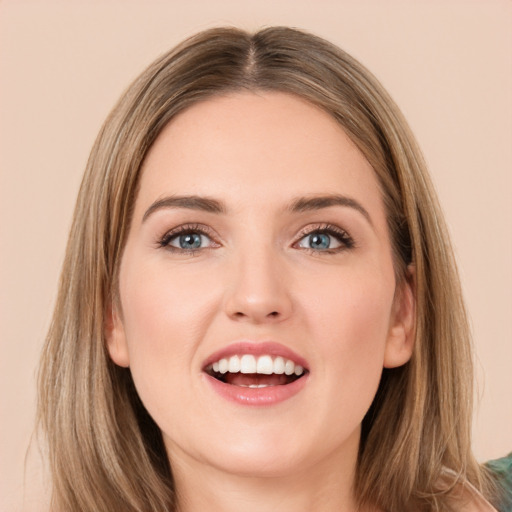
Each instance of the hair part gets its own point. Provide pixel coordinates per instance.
(106, 453)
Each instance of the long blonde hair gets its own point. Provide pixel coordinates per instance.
(106, 453)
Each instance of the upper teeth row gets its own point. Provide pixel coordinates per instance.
(262, 364)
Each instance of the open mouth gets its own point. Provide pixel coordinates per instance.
(249, 371)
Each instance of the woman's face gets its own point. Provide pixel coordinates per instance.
(258, 245)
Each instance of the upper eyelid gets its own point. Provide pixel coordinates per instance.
(204, 229)
(190, 227)
(323, 226)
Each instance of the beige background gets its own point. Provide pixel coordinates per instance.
(63, 64)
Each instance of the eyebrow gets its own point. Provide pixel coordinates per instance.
(298, 205)
(303, 204)
(204, 204)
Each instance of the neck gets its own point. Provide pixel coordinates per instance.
(326, 486)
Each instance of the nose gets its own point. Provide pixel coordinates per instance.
(258, 289)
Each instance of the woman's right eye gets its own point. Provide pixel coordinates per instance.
(187, 240)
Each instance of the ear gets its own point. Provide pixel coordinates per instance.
(400, 342)
(115, 337)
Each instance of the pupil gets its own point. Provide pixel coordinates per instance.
(320, 241)
(192, 240)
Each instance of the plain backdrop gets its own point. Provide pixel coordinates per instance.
(448, 64)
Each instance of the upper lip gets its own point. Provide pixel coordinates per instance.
(258, 348)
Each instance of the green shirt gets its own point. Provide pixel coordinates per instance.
(502, 468)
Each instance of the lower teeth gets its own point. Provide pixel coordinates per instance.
(253, 386)
(255, 380)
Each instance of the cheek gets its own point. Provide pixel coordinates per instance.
(353, 309)
(164, 308)
(350, 323)
(165, 317)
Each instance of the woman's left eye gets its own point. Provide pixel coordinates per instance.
(326, 240)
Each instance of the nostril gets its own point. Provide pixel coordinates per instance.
(240, 314)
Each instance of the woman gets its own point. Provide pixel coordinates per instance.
(259, 307)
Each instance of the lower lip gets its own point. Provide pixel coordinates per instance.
(256, 396)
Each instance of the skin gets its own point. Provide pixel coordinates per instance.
(257, 277)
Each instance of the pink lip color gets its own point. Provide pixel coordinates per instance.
(256, 396)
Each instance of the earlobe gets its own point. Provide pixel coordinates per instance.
(115, 337)
(400, 342)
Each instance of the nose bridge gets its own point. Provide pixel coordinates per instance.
(258, 289)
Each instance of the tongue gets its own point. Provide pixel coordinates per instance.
(248, 379)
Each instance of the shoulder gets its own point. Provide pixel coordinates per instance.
(462, 496)
(502, 472)
(465, 498)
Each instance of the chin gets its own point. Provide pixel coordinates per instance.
(260, 463)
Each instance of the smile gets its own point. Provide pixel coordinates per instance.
(256, 374)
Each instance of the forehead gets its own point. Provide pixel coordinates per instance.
(252, 145)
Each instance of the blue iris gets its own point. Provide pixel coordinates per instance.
(190, 241)
(319, 241)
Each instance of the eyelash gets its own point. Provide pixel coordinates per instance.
(346, 241)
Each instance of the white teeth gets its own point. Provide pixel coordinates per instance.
(289, 367)
(279, 365)
(248, 364)
(253, 386)
(263, 365)
(223, 365)
(234, 364)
